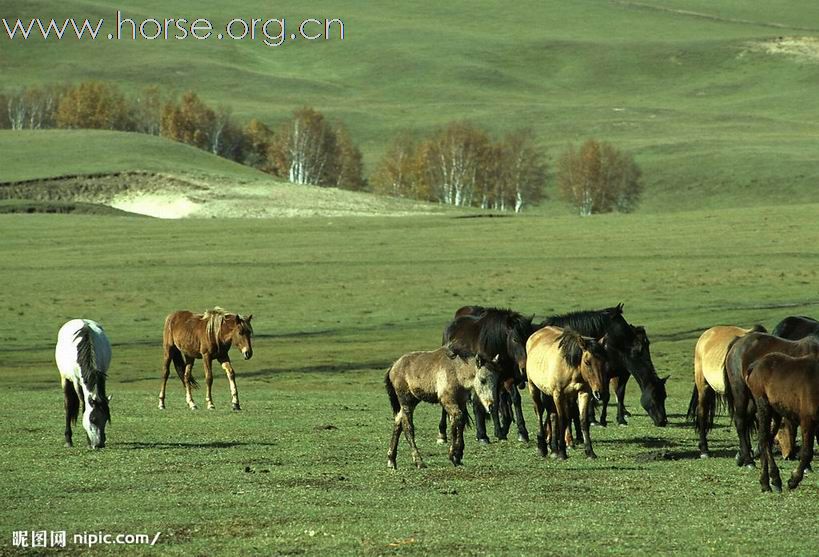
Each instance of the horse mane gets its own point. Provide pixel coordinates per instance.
(758, 328)
(456, 350)
(569, 343)
(217, 316)
(495, 326)
(595, 321)
(92, 376)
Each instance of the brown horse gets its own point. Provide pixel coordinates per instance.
(784, 386)
(563, 365)
(709, 377)
(209, 336)
(442, 376)
(742, 353)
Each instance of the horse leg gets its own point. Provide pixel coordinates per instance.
(500, 434)
(166, 371)
(742, 413)
(604, 403)
(786, 436)
(620, 393)
(505, 411)
(72, 407)
(392, 452)
(806, 455)
(561, 408)
(208, 363)
(523, 434)
(538, 402)
(187, 381)
(231, 375)
(768, 464)
(409, 434)
(455, 417)
(480, 421)
(706, 398)
(442, 427)
(583, 404)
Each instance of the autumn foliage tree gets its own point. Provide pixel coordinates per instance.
(599, 178)
(397, 173)
(308, 149)
(93, 105)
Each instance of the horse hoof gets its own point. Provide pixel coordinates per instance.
(162, 406)
(562, 456)
(68, 444)
(441, 441)
(211, 407)
(391, 464)
(591, 456)
(750, 466)
(483, 441)
(194, 407)
(420, 465)
(523, 438)
(704, 456)
(237, 408)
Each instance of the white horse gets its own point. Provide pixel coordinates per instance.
(83, 355)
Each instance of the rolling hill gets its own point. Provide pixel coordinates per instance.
(714, 98)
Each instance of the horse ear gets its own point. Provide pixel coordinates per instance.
(249, 317)
(110, 397)
(496, 359)
(603, 340)
(479, 361)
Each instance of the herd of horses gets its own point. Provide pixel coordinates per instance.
(769, 382)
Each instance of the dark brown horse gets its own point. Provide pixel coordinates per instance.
(629, 353)
(492, 332)
(444, 376)
(793, 327)
(785, 387)
(742, 353)
(188, 336)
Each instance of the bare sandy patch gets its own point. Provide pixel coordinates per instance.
(159, 205)
(803, 48)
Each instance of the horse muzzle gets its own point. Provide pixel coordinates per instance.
(247, 354)
(597, 396)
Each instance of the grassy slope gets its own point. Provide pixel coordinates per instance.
(335, 301)
(709, 124)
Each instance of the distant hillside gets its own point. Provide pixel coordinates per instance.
(72, 171)
(715, 98)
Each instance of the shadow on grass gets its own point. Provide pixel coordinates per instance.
(136, 446)
(319, 368)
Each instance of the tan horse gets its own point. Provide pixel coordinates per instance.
(562, 365)
(209, 336)
(709, 377)
(785, 387)
(440, 376)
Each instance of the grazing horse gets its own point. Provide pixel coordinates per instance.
(564, 366)
(744, 351)
(709, 377)
(83, 355)
(628, 351)
(188, 336)
(784, 386)
(444, 376)
(492, 332)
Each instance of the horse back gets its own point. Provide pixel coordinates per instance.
(710, 354)
(796, 327)
(187, 332)
(544, 362)
(425, 374)
(66, 350)
(790, 384)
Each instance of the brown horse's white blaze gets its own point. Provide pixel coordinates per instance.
(562, 365)
(439, 376)
(188, 336)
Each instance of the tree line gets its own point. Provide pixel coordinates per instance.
(459, 164)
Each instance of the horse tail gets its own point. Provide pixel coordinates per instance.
(712, 404)
(72, 402)
(729, 394)
(467, 418)
(396, 406)
(87, 356)
(175, 353)
(691, 415)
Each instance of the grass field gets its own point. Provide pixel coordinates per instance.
(302, 469)
(713, 118)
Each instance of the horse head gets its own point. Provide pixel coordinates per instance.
(593, 364)
(486, 380)
(638, 357)
(97, 414)
(242, 334)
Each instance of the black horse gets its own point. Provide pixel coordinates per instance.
(492, 332)
(796, 327)
(628, 351)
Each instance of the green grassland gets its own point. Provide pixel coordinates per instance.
(302, 469)
(713, 121)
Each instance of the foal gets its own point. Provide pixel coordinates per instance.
(441, 376)
(785, 387)
(563, 365)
